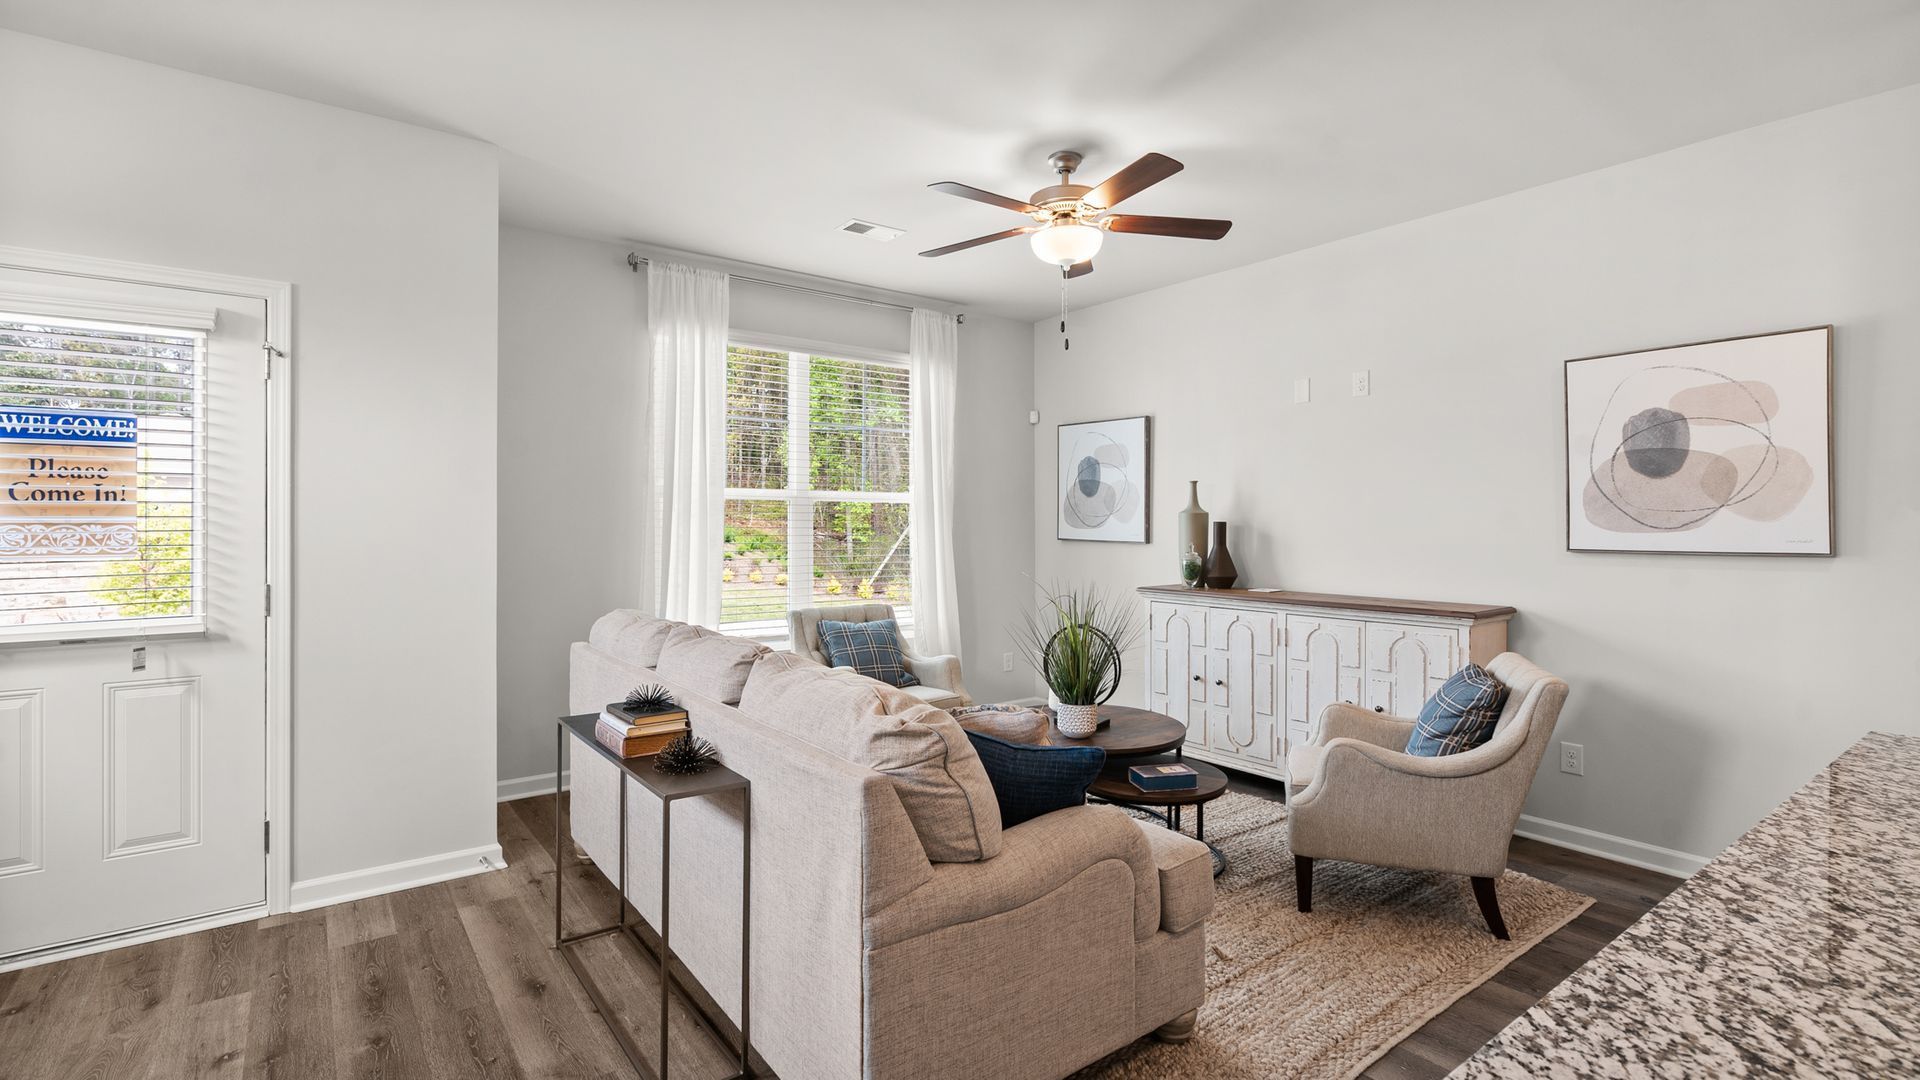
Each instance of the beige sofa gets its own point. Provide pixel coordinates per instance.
(898, 930)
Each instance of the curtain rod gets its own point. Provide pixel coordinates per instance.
(635, 261)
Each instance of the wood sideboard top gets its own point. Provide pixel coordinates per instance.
(1334, 600)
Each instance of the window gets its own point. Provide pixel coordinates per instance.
(100, 447)
(816, 509)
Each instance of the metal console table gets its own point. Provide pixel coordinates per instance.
(668, 789)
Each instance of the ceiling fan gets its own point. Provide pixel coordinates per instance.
(1071, 219)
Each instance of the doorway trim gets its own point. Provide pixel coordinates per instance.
(277, 598)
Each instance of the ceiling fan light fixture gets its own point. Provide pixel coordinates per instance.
(1066, 244)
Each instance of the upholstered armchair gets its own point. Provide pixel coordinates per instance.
(939, 676)
(1359, 798)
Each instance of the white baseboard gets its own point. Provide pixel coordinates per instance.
(136, 937)
(393, 877)
(522, 786)
(1617, 848)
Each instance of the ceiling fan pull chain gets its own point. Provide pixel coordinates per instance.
(1066, 343)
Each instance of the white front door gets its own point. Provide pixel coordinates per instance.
(133, 627)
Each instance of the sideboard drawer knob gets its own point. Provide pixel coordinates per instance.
(1196, 678)
(1379, 708)
(1219, 682)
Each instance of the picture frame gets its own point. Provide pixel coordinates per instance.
(1103, 480)
(1718, 447)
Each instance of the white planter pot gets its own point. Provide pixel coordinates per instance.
(1076, 721)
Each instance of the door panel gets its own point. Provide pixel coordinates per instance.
(1246, 661)
(1403, 661)
(133, 767)
(1323, 666)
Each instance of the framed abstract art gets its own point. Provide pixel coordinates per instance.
(1103, 477)
(1715, 448)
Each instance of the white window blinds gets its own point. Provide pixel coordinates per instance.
(101, 452)
(816, 511)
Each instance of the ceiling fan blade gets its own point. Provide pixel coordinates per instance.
(1191, 227)
(977, 241)
(1133, 180)
(987, 197)
(1080, 269)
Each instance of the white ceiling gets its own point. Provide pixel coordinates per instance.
(749, 130)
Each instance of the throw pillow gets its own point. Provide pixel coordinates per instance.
(1029, 781)
(708, 662)
(870, 648)
(1460, 715)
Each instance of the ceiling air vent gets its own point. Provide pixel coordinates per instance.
(871, 230)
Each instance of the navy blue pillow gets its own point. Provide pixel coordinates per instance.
(1460, 715)
(870, 648)
(1032, 780)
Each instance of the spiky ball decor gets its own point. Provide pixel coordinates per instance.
(649, 698)
(685, 756)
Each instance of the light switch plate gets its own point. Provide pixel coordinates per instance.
(1362, 384)
(1302, 391)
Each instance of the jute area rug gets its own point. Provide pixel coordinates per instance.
(1324, 995)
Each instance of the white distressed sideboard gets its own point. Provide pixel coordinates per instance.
(1250, 672)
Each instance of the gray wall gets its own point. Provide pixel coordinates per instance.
(1704, 689)
(572, 446)
(388, 234)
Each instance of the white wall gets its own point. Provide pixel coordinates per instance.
(1704, 689)
(573, 480)
(572, 332)
(387, 233)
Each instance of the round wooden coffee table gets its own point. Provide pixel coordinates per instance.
(1125, 732)
(1113, 786)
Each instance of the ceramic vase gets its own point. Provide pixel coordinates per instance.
(1220, 573)
(1192, 533)
(1076, 721)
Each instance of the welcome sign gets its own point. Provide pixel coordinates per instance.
(69, 483)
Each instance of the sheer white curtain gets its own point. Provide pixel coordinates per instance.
(934, 363)
(687, 314)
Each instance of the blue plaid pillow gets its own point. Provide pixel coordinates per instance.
(1032, 780)
(1460, 715)
(870, 648)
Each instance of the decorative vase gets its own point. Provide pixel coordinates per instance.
(1221, 573)
(1192, 533)
(1077, 721)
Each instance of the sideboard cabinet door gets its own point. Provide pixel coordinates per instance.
(1323, 666)
(1176, 685)
(1406, 664)
(1242, 715)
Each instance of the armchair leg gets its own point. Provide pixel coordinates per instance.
(1489, 906)
(1303, 881)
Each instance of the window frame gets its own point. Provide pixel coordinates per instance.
(799, 495)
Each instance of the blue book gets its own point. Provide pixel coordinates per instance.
(1164, 777)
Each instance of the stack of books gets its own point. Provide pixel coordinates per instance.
(634, 733)
(1164, 777)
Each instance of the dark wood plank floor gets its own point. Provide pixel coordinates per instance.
(457, 980)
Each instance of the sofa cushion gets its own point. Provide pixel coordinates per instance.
(708, 662)
(933, 767)
(632, 636)
(871, 648)
(1186, 877)
(1303, 761)
(1460, 715)
(1032, 780)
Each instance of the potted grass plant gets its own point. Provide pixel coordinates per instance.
(1075, 637)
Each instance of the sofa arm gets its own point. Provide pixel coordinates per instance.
(1036, 857)
(1343, 721)
(938, 671)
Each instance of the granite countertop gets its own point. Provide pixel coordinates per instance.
(1796, 952)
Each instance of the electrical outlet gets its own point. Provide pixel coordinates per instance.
(1573, 758)
(1302, 391)
(1362, 385)
(1006, 661)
